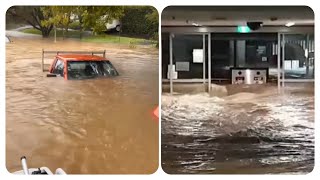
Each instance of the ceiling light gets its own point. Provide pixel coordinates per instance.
(195, 24)
(289, 24)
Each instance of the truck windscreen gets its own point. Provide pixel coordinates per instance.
(90, 69)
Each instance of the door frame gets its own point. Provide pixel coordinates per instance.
(203, 80)
(281, 58)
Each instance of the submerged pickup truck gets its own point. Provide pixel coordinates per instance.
(78, 66)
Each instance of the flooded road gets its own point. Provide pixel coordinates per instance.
(243, 132)
(82, 126)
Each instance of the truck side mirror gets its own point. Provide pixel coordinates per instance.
(51, 75)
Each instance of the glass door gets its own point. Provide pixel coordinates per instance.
(188, 58)
(297, 58)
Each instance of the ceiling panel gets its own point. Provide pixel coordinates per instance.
(236, 15)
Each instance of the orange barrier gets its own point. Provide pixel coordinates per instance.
(156, 113)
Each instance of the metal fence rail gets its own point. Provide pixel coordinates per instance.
(103, 53)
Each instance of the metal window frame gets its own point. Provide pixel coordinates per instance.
(281, 31)
(281, 41)
(204, 80)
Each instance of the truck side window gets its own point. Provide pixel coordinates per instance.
(58, 69)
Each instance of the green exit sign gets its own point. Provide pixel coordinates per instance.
(243, 29)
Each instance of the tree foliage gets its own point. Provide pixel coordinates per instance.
(96, 17)
(46, 17)
(135, 20)
(60, 16)
(153, 19)
(140, 20)
(32, 15)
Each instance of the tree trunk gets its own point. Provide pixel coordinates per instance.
(63, 34)
(81, 26)
(45, 33)
(67, 31)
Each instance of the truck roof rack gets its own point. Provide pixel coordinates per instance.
(103, 53)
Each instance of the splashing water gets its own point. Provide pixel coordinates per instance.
(240, 133)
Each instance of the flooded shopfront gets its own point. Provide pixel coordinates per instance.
(237, 90)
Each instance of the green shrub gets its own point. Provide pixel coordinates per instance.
(140, 21)
(74, 25)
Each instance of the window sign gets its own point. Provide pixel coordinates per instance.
(173, 72)
(262, 50)
(197, 55)
(264, 59)
(287, 65)
(182, 66)
(295, 65)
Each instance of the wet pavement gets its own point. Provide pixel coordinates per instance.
(18, 34)
(91, 126)
(253, 132)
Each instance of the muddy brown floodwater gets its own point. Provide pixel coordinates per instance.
(255, 132)
(85, 126)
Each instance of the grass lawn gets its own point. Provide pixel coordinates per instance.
(105, 38)
(115, 39)
(71, 34)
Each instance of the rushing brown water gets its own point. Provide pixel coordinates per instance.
(243, 132)
(82, 126)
